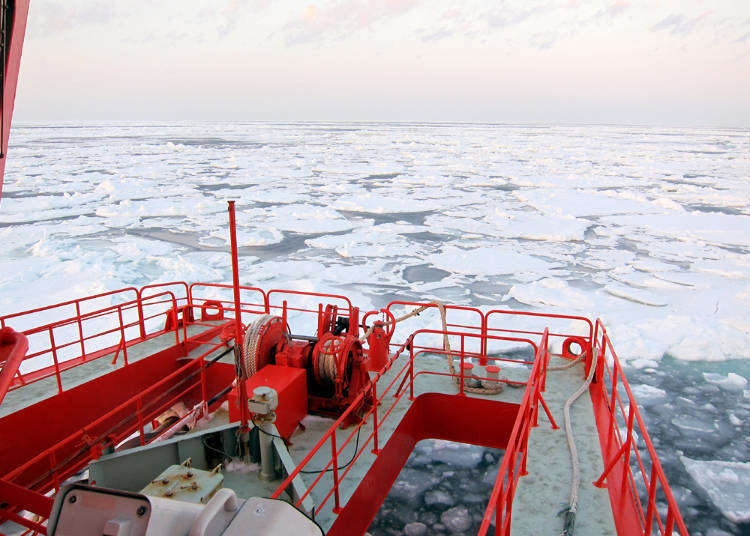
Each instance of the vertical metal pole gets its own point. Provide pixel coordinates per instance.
(411, 370)
(244, 417)
(122, 335)
(375, 450)
(334, 456)
(651, 502)
(461, 389)
(141, 321)
(204, 392)
(80, 328)
(54, 357)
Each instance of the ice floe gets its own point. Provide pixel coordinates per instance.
(726, 483)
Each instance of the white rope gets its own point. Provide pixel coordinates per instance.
(567, 365)
(570, 511)
(495, 389)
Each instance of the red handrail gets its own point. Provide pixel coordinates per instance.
(501, 498)
(619, 451)
(406, 373)
(312, 294)
(19, 379)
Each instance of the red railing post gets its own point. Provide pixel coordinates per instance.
(204, 394)
(122, 335)
(54, 358)
(411, 370)
(547, 411)
(483, 343)
(670, 521)
(499, 509)
(141, 320)
(629, 441)
(375, 450)
(461, 384)
(80, 327)
(651, 501)
(334, 457)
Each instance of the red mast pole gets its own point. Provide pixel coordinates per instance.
(244, 417)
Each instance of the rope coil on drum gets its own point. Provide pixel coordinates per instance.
(326, 360)
(252, 339)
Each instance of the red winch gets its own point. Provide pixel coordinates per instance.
(334, 361)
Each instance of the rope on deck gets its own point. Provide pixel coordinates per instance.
(446, 345)
(569, 512)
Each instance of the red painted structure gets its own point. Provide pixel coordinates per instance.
(290, 384)
(96, 411)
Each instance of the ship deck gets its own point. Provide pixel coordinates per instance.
(539, 496)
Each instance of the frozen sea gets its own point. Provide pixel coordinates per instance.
(647, 228)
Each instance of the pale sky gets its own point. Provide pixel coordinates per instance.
(670, 62)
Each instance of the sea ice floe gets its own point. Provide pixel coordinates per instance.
(483, 261)
(726, 483)
(550, 291)
(731, 382)
(538, 227)
(647, 394)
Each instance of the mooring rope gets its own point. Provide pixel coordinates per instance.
(446, 345)
(569, 512)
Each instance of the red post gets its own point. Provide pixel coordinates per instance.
(54, 357)
(80, 327)
(204, 393)
(549, 415)
(483, 345)
(375, 450)
(334, 456)
(411, 370)
(244, 417)
(141, 321)
(122, 336)
(461, 387)
(651, 502)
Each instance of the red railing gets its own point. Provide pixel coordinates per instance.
(109, 324)
(221, 294)
(513, 465)
(135, 415)
(630, 457)
(127, 321)
(545, 319)
(380, 416)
